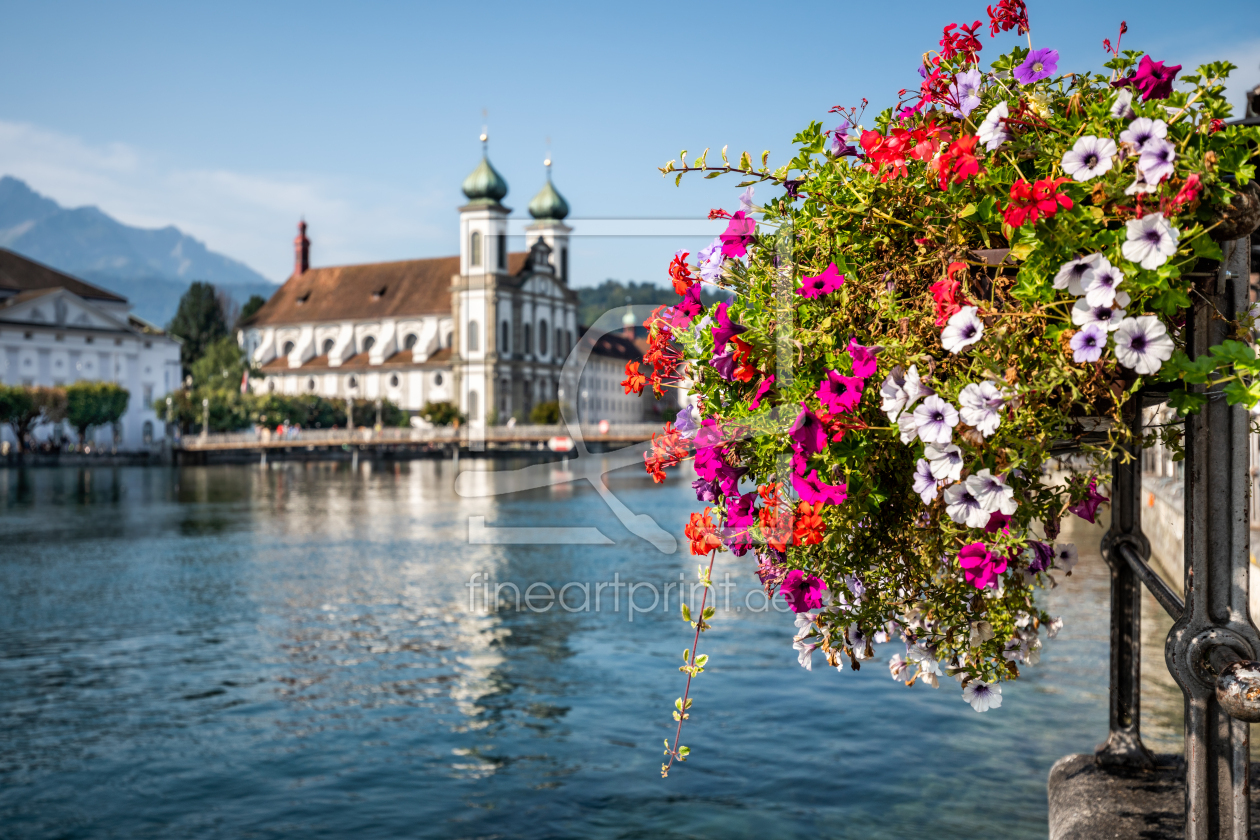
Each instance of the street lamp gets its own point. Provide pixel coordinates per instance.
(205, 417)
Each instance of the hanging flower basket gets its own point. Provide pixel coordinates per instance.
(936, 298)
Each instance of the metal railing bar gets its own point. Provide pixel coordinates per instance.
(1168, 599)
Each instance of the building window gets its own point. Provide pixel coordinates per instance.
(507, 338)
(147, 431)
(529, 345)
(568, 340)
(148, 396)
(502, 241)
(449, 336)
(474, 248)
(560, 341)
(368, 342)
(271, 385)
(410, 341)
(328, 345)
(89, 340)
(474, 337)
(473, 406)
(437, 380)
(310, 384)
(393, 381)
(542, 337)
(288, 348)
(352, 382)
(564, 264)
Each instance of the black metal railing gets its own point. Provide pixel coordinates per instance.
(1211, 648)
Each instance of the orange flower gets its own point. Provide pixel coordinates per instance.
(702, 534)
(810, 527)
(680, 273)
(633, 383)
(958, 162)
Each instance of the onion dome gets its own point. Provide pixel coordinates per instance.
(485, 185)
(548, 205)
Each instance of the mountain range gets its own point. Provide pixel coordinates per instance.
(150, 267)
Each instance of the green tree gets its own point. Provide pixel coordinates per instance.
(220, 367)
(251, 306)
(92, 404)
(441, 413)
(545, 414)
(198, 323)
(18, 409)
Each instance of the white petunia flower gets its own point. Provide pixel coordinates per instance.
(925, 659)
(900, 669)
(1089, 157)
(804, 654)
(857, 641)
(981, 632)
(992, 492)
(983, 696)
(915, 389)
(1108, 316)
(964, 508)
(1073, 273)
(946, 462)
(1065, 556)
(936, 420)
(893, 394)
(925, 482)
(963, 329)
(1100, 289)
(1141, 131)
(1140, 185)
(1143, 344)
(1055, 625)
(1151, 241)
(1122, 105)
(980, 405)
(992, 131)
(1156, 162)
(909, 427)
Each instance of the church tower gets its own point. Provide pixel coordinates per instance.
(549, 210)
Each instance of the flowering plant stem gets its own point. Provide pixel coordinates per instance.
(690, 668)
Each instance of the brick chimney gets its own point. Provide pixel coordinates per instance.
(301, 251)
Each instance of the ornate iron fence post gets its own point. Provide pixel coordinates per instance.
(1215, 630)
(1123, 746)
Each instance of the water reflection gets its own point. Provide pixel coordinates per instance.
(243, 651)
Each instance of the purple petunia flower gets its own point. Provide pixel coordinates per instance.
(1040, 64)
(746, 201)
(1042, 556)
(687, 422)
(980, 566)
(924, 482)
(706, 491)
(965, 92)
(1089, 157)
(823, 284)
(840, 394)
(709, 261)
(739, 510)
(983, 696)
(688, 308)
(1122, 106)
(1087, 508)
(813, 489)
(840, 146)
(724, 364)
(807, 432)
(1088, 344)
(724, 330)
(1142, 131)
(864, 362)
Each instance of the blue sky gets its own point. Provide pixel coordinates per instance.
(230, 120)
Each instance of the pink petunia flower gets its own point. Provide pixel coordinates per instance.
(840, 394)
(801, 591)
(980, 566)
(738, 235)
(822, 284)
(864, 361)
(812, 489)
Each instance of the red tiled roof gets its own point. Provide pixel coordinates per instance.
(367, 291)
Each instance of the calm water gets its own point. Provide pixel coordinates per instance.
(244, 653)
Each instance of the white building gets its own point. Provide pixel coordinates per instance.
(56, 330)
(486, 329)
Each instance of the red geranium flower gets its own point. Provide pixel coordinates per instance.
(809, 527)
(702, 534)
(634, 381)
(1030, 202)
(958, 162)
(1010, 14)
(963, 42)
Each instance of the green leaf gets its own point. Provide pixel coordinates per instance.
(1185, 402)
(686, 612)
(683, 752)
(702, 660)
(1170, 301)
(1234, 351)
(687, 655)
(1239, 392)
(708, 612)
(1206, 248)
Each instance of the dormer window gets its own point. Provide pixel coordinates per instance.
(379, 293)
(304, 297)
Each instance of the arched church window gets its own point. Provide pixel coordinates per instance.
(474, 407)
(542, 337)
(328, 345)
(352, 382)
(288, 348)
(393, 381)
(410, 341)
(437, 380)
(474, 248)
(474, 337)
(368, 342)
(310, 384)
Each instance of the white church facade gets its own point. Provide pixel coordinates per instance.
(487, 330)
(56, 330)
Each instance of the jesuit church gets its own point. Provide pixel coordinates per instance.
(487, 329)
